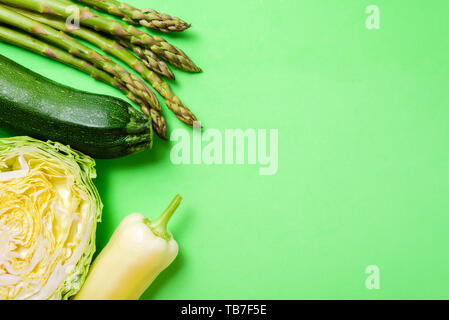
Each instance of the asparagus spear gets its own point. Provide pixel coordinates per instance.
(146, 17)
(149, 58)
(60, 39)
(26, 41)
(112, 47)
(64, 8)
(159, 123)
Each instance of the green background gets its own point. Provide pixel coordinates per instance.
(363, 175)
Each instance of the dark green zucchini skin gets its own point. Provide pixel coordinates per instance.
(98, 125)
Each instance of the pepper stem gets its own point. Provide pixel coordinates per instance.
(159, 226)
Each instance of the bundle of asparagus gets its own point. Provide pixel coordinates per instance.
(43, 26)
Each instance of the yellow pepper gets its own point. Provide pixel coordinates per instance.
(138, 251)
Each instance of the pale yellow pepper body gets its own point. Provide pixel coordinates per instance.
(138, 251)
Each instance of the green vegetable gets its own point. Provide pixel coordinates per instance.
(146, 17)
(98, 125)
(104, 43)
(138, 251)
(149, 58)
(113, 48)
(64, 8)
(49, 212)
(76, 48)
(27, 42)
(149, 55)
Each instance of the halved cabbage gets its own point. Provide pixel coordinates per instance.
(49, 209)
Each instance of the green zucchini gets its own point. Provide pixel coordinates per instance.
(98, 125)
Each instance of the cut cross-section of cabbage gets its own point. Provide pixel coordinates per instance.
(49, 209)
